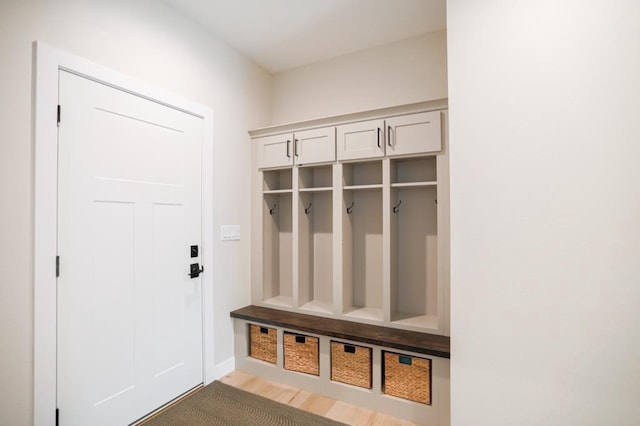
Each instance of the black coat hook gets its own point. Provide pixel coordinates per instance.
(350, 208)
(396, 208)
(307, 209)
(273, 209)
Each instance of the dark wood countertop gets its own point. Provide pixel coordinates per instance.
(411, 341)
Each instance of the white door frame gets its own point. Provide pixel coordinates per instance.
(47, 63)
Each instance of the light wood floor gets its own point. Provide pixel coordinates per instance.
(314, 403)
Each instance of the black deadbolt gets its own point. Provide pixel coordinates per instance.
(194, 251)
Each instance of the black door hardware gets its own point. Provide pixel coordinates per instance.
(195, 270)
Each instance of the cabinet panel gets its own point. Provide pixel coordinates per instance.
(315, 146)
(275, 151)
(414, 134)
(364, 139)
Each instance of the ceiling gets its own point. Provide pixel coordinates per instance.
(283, 34)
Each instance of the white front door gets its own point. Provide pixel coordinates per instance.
(129, 208)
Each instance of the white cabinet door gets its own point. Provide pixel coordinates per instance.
(414, 134)
(275, 151)
(364, 139)
(315, 146)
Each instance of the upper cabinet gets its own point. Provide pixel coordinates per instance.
(315, 146)
(303, 147)
(413, 134)
(395, 136)
(401, 135)
(364, 139)
(275, 151)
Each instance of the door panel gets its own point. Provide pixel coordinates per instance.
(129, 317)
(360, 140)
(114, 316)
(414, 134)
(275, 151)
(315, 146)
(169, 320)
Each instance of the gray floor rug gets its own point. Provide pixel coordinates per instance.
(221, 404)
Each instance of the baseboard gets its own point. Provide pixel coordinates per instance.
(223, 368)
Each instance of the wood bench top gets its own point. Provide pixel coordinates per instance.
(411, 341)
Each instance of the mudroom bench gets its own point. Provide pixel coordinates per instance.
(398, 372)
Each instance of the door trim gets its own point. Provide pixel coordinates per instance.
(48, 61)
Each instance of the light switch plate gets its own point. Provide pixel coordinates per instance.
(230, 232)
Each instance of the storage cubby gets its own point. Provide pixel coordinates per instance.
(301, 353)
(315, 178)
(315, 251)
(362, 276)
(414, 256)
(275, 181)
(263, 343)
(351, 364)
(409, 171)
(406, 376)
(363, 174)
(277, 252)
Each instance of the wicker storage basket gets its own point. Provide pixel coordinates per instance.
(351, 364)
(407, 377)
(301, 353)
(263, 343)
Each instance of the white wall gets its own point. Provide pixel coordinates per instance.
(413, 70)
(147, 41)
(545, 201)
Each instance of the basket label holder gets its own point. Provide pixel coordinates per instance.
(406, 360)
